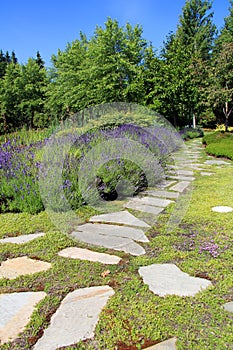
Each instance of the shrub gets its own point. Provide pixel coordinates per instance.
(191, 133)
(219, 144)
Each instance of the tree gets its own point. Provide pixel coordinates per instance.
(32, 86)
(39, 60)
(220, 89)
(106, 68)
(196, 29)
(10, 99)
(184, 55)
(226, 34)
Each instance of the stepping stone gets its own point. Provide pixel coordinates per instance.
(205, 173)
(121, 217)
(15, 311)
(169, 344)
(228, 306)
(13, 268)
(22, 239)
(76, 318)
(85, 254)
(180, 186)
(165, 184)
(184, 172)
(216, 162)
(222, 209)
(159, 193)
(195, 166)
(157, 202)
(182, 178)
(113, 230)
(144, 208)
(113, 242)
(168, 279)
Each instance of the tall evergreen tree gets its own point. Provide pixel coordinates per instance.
(9, 99)
(184, 55)
(39, 60)
(32, 86)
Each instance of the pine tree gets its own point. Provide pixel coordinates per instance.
(185, 54)
(39, 60)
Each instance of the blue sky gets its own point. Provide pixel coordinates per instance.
(46, 25)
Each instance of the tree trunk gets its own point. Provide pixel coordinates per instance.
(227, 113)
(194, 121)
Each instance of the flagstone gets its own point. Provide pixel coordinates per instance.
(168, 279)
(113, 230)
(222, 209)
(113, 242)
(206, 173)
(228, 306)
(160, 193)
(158, 202)
(181, 178)
(22, 239)
(76, 318)
(144, 208)
(15, 311)
(166, 183)
(121, 217)
(216, 162)
(180, 186)
(12, 268)
(169, 344)
(85, 254)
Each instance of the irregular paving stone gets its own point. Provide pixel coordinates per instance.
(160, 193)
(85, 254)
(228, 306)
(113, 242)
(13, 268)
(180, 186)
(15, 311)
(168, 279)
(222, 209)
(184, 172)
(121, 217)
(216, 162)
(144, 208)
(169, 344)
(113, 230)
(76, 318)
(22, 239)
(157, 202)
(182, 178)
(164, 184)
(206, 173)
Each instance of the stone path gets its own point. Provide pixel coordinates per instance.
(85, 254)
(169, 344)
(22, 239)
(168, 279)
(15, 312)
(77, 316)
(13, 268)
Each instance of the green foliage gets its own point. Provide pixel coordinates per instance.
(191, 133)
(106, 68)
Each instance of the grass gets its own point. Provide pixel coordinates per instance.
(135, 318)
